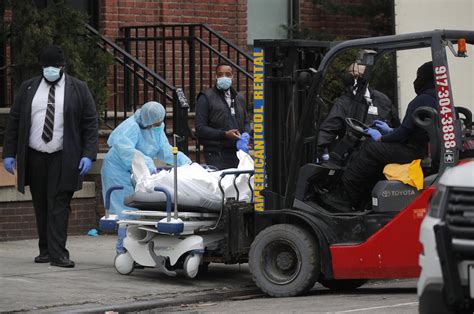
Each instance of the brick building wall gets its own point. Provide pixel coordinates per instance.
(171, 61)
(316, 19)
(17, 219)
(228, 17)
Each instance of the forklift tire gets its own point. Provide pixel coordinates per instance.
(284, 260)
(343, 285)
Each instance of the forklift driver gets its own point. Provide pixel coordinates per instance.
(401, 145)
(375, 106)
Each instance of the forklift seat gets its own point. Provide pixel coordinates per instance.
(427, 118)
(393, 195)
(307, 172)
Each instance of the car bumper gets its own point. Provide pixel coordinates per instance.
(432, 300)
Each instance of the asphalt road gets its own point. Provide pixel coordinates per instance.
(94, 286)
(395, 296)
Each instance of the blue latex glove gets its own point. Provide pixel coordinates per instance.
(9, 163)
(93, 233)
(153, 171)
(374, 134)
(85, 165)
(383, 127)
(243, 143)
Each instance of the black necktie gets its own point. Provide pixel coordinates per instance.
(49, 119)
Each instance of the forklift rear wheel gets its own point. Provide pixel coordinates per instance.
(284, 260)
(343, 284)
(124, 263)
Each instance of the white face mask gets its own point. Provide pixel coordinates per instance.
(51, 74)
(224, 83)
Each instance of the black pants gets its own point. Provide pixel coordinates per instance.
(223, 159)
(52, 206)
(366, 166)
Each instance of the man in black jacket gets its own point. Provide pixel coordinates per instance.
(401, 145)
(52, 133)
(221, 119)
(374, 106)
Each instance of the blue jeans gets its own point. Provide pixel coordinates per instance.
(121, 234)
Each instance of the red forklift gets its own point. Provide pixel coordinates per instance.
(288, 237)
(295, 240)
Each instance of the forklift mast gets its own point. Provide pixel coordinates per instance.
(283, 71)
(285, 135)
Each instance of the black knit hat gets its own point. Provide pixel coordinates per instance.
(424, 77)
(425, 72)
(52, 55)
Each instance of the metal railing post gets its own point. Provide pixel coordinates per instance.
(192, 68)
(126, 73)
(180, 119)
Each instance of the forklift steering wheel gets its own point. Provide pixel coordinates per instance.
(356, 126)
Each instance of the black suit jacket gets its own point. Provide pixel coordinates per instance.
(80, 130)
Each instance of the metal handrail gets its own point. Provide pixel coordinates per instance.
(185, 55)
(183, 48)
(137, 83)
(206, 26)
(247, 56)
(238, 67)
(134, 60)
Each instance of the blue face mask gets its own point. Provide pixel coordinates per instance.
(157, 127)
(224, 83)
(51, 74)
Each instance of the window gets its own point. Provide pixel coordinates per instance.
(266, 19)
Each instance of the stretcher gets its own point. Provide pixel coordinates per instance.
(169, 236)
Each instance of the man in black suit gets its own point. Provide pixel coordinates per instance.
(52, 133)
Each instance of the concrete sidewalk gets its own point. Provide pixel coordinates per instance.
(94, 285)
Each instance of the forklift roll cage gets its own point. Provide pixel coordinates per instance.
(349, 247)
(437, 40)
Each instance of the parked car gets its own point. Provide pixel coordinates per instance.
(446, 283)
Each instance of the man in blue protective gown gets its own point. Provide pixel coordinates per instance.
(143, 133)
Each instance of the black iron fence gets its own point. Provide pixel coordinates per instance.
(186, 54)
(132, 84)
(166, 63)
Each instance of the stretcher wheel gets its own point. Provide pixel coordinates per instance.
(191, 265)
(124, 263)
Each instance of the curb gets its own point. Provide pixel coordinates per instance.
(167, 301)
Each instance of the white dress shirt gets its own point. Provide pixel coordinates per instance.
(228, 97)
(38, 114)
